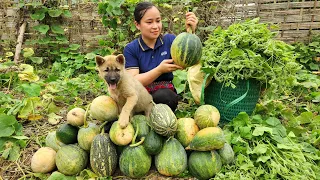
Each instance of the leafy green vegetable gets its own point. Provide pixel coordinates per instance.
(248, 50)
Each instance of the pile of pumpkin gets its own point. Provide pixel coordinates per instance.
(77, 145)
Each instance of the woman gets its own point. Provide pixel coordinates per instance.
(148, 57)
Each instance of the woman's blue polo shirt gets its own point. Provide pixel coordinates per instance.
(140, 56)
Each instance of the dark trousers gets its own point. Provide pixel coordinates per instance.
(166, 96)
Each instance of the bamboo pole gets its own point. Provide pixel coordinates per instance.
(19, 42)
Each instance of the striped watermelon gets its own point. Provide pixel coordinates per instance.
(162, 120)
(186, 49)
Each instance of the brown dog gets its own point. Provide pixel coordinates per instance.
(128, 92)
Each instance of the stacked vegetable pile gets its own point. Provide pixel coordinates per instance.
(77, 145)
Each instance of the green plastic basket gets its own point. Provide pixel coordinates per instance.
(230, 102)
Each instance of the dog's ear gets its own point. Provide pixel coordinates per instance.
(99, 60)
(120, 59)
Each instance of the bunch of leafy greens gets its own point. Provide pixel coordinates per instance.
(248, 50)
(264, 149)
(308, 52)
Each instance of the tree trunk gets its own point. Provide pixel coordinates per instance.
(19, 42)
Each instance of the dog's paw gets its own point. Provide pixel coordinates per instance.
(123, 122)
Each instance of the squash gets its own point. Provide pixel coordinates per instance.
(141, 121)
(207, 139)
(204, 165)
(75, 116)
(103, 155)
(163, 120)
(172, 160)
(67, 133)
(43, 161)
(86, 135)
(186, 49)
(119, 136)
(104, 108)
(207, 116)
(71, 159)
(227, 154)
(186, 130)
(53, 142)
(153, 143)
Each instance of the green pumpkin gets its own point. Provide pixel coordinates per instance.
(103, 155)
(163, 120)
(172, 160)
(135, 162)
(141, 121)
(53, 142)
(153, 143)
(204, 165)
(207, 139)
(226, 153)
(186, 49)
(86, 135)
(71, 159)
(67, 133)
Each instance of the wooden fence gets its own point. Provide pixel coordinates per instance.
(298, 20)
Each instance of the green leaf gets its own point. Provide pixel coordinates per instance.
(43, 29)
(53, 118)
(305, 117)
(259, 131)
(31, 90)
(284, 146)
(74, 46)
(57, 29)
(29, 107)
(272, 121)
(54, 12)
(37, 60)
(14, 153)
(90, 56)
(314, 67)
(241, 120)
(38, 15)
(245, 132)
(28, 52)
(235, 52)
(263, 159)
(67, 13)
(260, 149)
(7, 125)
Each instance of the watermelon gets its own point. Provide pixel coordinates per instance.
(204, 165)
(207, 139)
(163, 120)
(186, 49)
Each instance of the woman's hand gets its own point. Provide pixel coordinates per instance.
(191, 21)
(166, 66)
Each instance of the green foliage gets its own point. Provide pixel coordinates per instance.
(308, 52)
(248, 50)
(11, 137)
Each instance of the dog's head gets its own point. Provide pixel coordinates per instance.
(111, 69)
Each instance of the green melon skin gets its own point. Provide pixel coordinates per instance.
(53, 142)
(135, 162)
(153, 143)
(207, 116)
(141, 121)
(204, 165)
(187, 129)
(162, 120)
(67, 133)
(103, 155)
(71, 159)
(227, 154)
(104, 108)
(172, 160)
(86, 136)
(207, 139)
(186, 50)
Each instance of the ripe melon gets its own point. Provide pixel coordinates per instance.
(119, 136)
(75, 116)
(43, 161)
(207, 116)
(187, 129)
(104, 108)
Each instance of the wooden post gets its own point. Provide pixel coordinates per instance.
(19, 42)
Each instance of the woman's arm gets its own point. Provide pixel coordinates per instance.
(147, 78)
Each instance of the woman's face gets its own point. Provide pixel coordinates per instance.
(150, 24)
